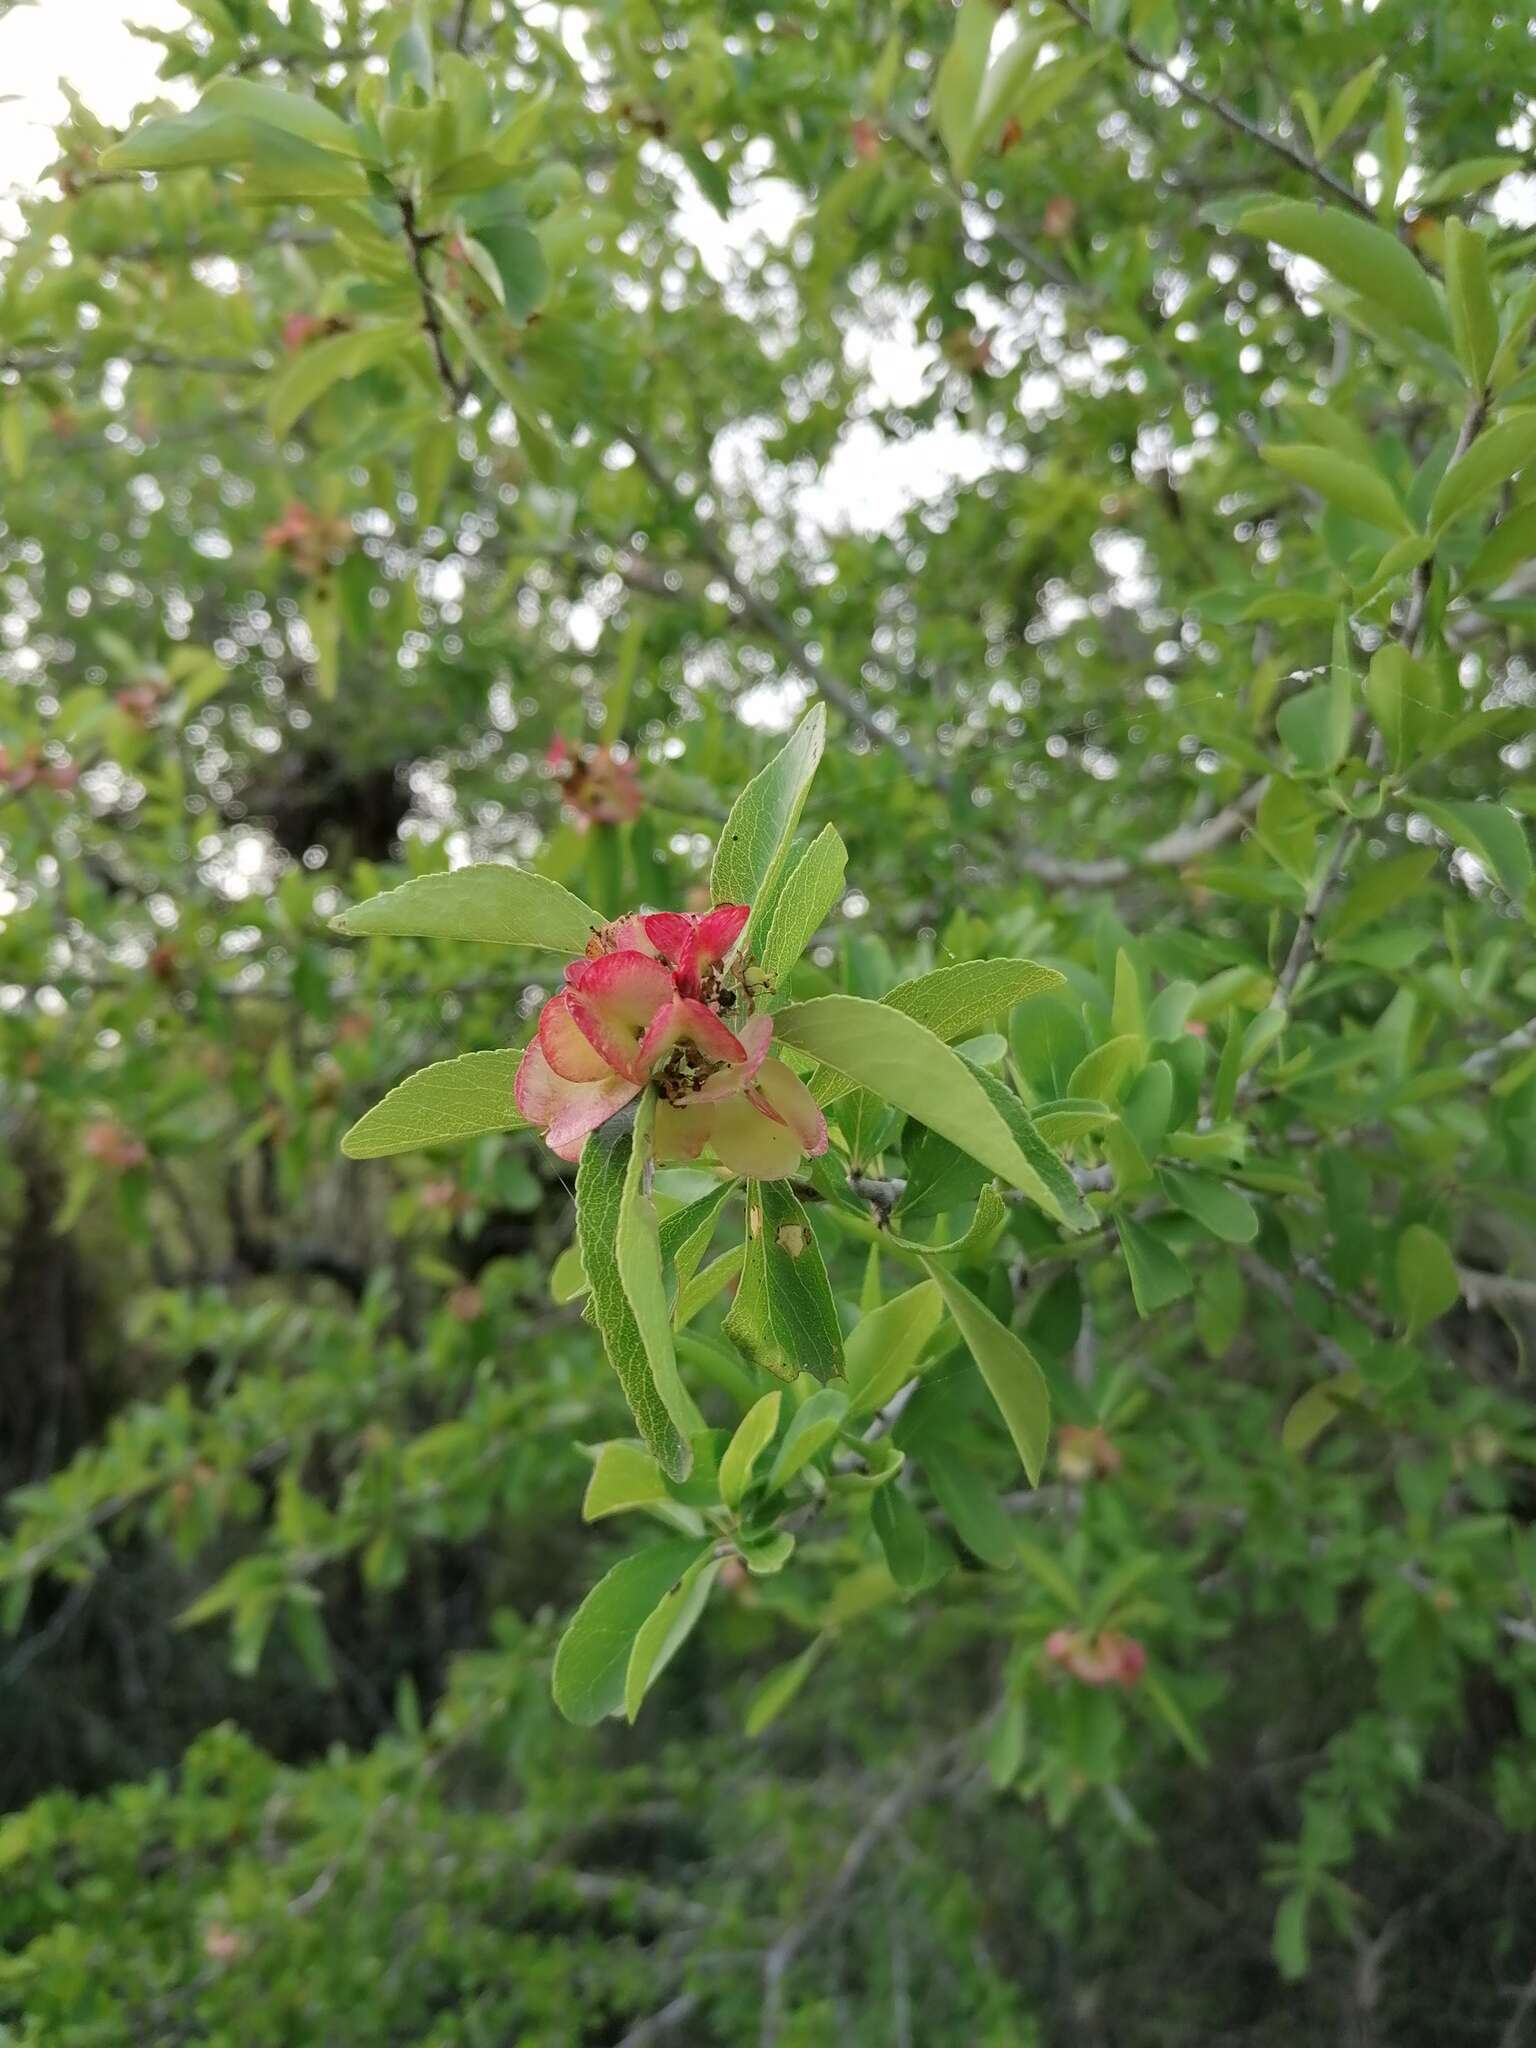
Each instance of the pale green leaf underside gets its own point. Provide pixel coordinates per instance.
(1008, 1366)
(957, 1002)
(664, 1631)
(897, 1058)
(755, 838)
(625, 1476)
(600, 1184)
(809, 892)
(491, 904)
(753, 1435)
(593, 1658)
(884, 1348)
(638, 1250)
(784, 1317)
(462, 1098)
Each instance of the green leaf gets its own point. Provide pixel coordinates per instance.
(1491, 831)
(780, 1687)
(1167, 1708)
(203, 136)
(493, 904)
(276, 162)
(1471, 174)
(1365, 258)
(1007, 1365)
(1293, 1956)
(1518, 315)
(1221, 1209)
(957, 83)
(637, 1248)
(1003, 83)
(625, 1476)
(686, 1235)
(1220, 1306)
(1380, 888)
(1400, 693)
(1341, 481)
(813, 1426)
(602, 1179)
(972, 1508)
(783, 1316)
(1315, 726)
(1101, 1076)
(755, 838)
(977, 1238)
(1305, 103)
(1474, 317)
(594, 1652)
(940, 1177)
(1158, 1274)
(519, 269)
(532, 434)
(295, 113)
(765, 1555)
(1051, 1173)
(1352, 96)
(462, 1098)
(1395, 561)
(1426, 1277)
(662, 1634)
(879, 1048)
(957, 1002)
(903, 1536)
(1064, 1122)
(810, 889)
(1318, 1408)
(1511, 544)
(883, 1349)
(754, 1433)
(700, 1289)
(1497, 454)
(567, 1277)
(1286, 826)
(315, 369)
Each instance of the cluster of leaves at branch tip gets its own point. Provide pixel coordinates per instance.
(662, 1048)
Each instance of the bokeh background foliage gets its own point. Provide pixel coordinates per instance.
(1117, 417)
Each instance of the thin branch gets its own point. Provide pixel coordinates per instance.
(39, 361)
(1423, 576)
(1479, 1289)
(1175, 849)
(457, 388)
(192, 249)
(1233, 117)
(670, 2017)
(1410, 631)
(1479, 1065)
(780, 1957)
(1304, 938)
(1275, 1283)
(776, 625)
(298, 60)
(964, 195)
(1510, 2038)
(1514, 1626)
(603, 558)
